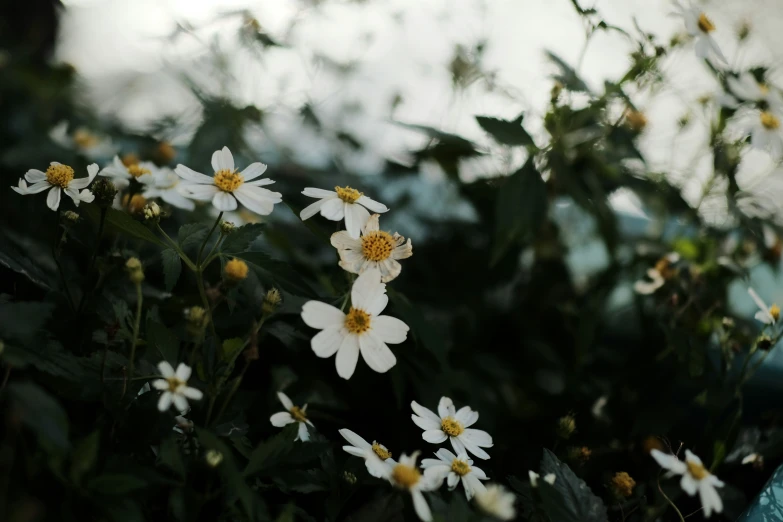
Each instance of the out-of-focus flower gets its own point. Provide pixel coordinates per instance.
(765, 131)
(122, 174)
(342, 202)
(549, 478)
(658, 275)
(56, 179)
(766, 315)
(175, 387)
(405, 475)
(747, 88)
(166, 185)
(700, 27)
(92, 145)
(695, 477)
(497, 502)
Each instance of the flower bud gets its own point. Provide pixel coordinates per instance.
(581, 454)
(213, 458)
(272, 300)
(197, 320)
(135, 270)
(566, 426)
(235, 271)
(227, 227)
(104, 191)
(151, 212)
(68, 218)
(349, 477)
(622, 484)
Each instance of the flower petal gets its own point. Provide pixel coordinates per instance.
(53, 198)
(327, 341)
(311, 210)
(180, 402)
(319, 193)
(320, 315)
(424, 413)
(473, 448)
(445, 455)
(434, 436)
(191, 175)
(332, 209)
(367, 289)
(223, 160)
(285, 401)
(253, 170)
(201, 192)
(356, 217)
(165, 369)
(425, 423)
(458, 446)
(354, 439)
(389, 329)
(376, 354)
(478, 437)
(224, 202)
(160, 384)
(446, 408)
(347, 356)
(34, 176)
(466, 416)
(452, 480)
(342, 240)
(669, 461)
(281, 419)
(192, 393)
(262, 207)
(164, 403)
(183, 372)
(373, 205)
(420, 506)
(688, 484)
(303, 434)
(176, 199)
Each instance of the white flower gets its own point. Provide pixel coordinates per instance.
(497, 502)
(767, 315)
(699, 26)
(58, 177)
(695, 477)
(453, 425)
(375, 249)
(342, 202)
(657, 275)
(175, 387)
(362, 329)
(90, 144)
(549, 478)
(361, 448)
(122, 174)
(405, 475)
(765, 131)
(455, 469)
(166, 185)
(746, 88)
(293, 414)
(229, 186)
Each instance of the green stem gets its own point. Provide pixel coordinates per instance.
(175, 246)
(682, 519)
(233, 390)
(63, 281)
(85, 292)
(136, 326)
(205, 302)
(206, 239)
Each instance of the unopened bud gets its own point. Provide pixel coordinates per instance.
(235, 271)
(104, 191)
(227, 227)
(135, 270)
(152, 212)
(622, 484)
(349, 477)
(213, 458)
(197, 319)
(69, 217)
(727, 322)
(635, 120)
(581, 454)
(272, 300)
(566, 426)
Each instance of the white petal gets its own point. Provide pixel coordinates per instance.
(53, 198)
(165, 369)
(176, 199)
(259, 194)
(160, 384)
(420, 506)
(424, 423)
(224, 202)
(466, 416)
(164, 403)
(372, 225)
(478, 437)
(342, 241)
(689, 484)
(715, 49)
(223, 160)
(377, 306)
(183, 372)
(446, 408)
(434, 436)
(320, 315)
(376, 467)
(472, 485)
(355, 439)
(356, 217)
(423, 412)
(453, 480)
(285, 401)
(367, 289)
(303, 434)
(709, 499)
(356, 452)
(479, 473)
(180, 402)
(311, 210)
(319, 193)
(253, 170)
(430, 463)
(373, 205)
(332, 209)
(86, 196)
(191, 175)
(376, 354)
(669, 461)
(192, 393)
(472, 447)
(262, 207)
(389, 329)
(281, 419)
(35, 188)
(201, 192)
(34, 176)
(445, 455)
(347, 356)
(390, 269)
(327, 341)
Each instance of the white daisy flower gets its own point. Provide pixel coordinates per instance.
(455, 469)
(453, 425)
(82, 140)
(361, 448)
(293, 414)
(56, 179)
(342, 202)
(175, 387)
(496, 501)
(700, 27)
(766, 315)
(765, 131)
(375, 249)
(747, 88)
(122, 174)
(695, 477)
(549, 478)
(405, 475)
(166, 185)
(362, 330)
(228, 186)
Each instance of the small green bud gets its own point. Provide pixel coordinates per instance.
(197, 320)
(227, 227)
(349, 477)
(151, 212)
(213, 458)
(104, 191)
(135, 270)
(272, 300)
(566, 426)
(69, 217)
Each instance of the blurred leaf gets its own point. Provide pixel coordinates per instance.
(521, 208)
(191, 234)
(169, 455)
(282, 449)
(121, 222)
(115, 484)
(567, 75)
(572, 500)
(231, 348)
(172, 268)
(228, 470)
(504, 131)
(23, 321)
(164, 341)
(422, 329)
(42, 415)
(276, 273)
(84, 456)
(241, 239)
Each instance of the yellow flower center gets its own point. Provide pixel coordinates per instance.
(84, 139)
(623, 484)
(236, 270)
(59, 175)
(357, 321)
(137, 203)
(137, 171)
(697, 471)
(377, 246)
(382, 452)
(774, 311)
(451, 427)
(705, 24)
(227, 181)
(405, 476)
(298, 414)
(129, 159)
(770, 121)
(174, 383)
(347, 194)
(764, 88)
(460, 467)
(637, 121)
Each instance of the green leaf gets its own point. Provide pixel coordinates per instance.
(567, 76)
(170, 456)
(228, 470)
(163, 340)
(272, 272)
(172, 268)
(191, 234)
(84, 456)
(504, 131)
(231, 348)
(568, 499)
(115, 484)
(23, 321)
(121, 222)
(42, 415)
(521, 208)
(423, 329)
(282, 449)
(241, 239)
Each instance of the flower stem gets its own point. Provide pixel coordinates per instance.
(85, 293)
(682, 519)
(203, 293)
(175, 246)
(233, 390)
(136, 326)
(206, 239)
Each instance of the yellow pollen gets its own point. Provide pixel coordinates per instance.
(227, 181)
(636, 120)
(136, 171)
(357, 321)
(451, 427)
(623, 484)
(60, 175)
(697, 471)
(460, 467)
(174, 383)
(298, 414)
(348, 194)
(705, 24)
(382, 452)
(770, 121)
(136, 205)
(84, 139)
(129, 159)
(377, 246)
(236, 270)
(405, 476)
(774, 311)
(764, 88)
